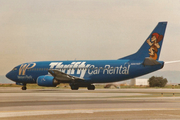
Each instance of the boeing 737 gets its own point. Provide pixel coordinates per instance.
(83, 73)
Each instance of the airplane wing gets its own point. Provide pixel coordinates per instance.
(58, 75)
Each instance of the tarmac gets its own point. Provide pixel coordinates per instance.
(83, 104)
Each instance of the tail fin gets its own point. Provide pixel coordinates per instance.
(152, 46)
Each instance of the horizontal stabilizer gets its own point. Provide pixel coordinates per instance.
(150, 61)
(172, 61)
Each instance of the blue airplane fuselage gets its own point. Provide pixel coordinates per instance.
(93, 71)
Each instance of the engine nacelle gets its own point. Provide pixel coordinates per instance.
(47, 81)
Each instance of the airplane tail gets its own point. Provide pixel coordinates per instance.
(152, 46)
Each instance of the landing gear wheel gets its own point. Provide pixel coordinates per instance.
(91, 87)
(24, 88)
(74, 87)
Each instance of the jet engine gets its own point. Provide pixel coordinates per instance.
(47, 81)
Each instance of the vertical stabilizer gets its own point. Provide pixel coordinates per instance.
(152, 45)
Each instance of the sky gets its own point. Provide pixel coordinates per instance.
(41, 30)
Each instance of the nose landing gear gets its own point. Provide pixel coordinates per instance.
(24, 87)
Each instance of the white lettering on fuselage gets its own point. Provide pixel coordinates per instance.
(82, 68)
(136, 63)
(24, 77)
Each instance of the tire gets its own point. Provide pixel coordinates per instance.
(23, 88)
(91, 87)
(73, 87)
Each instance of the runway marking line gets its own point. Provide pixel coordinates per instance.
(170, 115)
(4, 114)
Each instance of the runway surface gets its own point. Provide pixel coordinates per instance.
(100, 104)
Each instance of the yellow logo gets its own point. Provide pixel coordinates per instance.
(24, 67)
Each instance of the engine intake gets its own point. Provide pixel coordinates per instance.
(47, 81)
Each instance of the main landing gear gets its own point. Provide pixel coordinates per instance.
(76, 86)
(24, 87)
(91, 87)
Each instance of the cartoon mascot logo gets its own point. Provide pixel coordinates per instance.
(154, 45)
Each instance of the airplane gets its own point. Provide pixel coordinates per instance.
(84, 73)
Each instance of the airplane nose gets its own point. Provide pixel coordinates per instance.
(8, 75)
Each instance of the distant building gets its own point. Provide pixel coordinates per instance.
(139, 82)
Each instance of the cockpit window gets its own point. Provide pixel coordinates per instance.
(14, 69)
